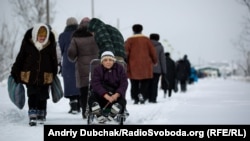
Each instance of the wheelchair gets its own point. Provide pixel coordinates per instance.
(105, 114)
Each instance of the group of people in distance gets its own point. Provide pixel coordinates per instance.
(37, 62)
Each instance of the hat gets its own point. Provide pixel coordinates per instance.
(137, 28)
(71, 21)
(107, 54)
(167, 54)
(84, 21)
(42, 32)
(154, 36)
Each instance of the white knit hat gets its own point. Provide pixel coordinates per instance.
(107, 54)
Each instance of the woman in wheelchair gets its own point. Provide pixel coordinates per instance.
(108, 88)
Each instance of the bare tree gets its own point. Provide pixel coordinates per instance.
(7, 44)
(243, 44)
(30, 12)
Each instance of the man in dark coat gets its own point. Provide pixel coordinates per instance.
(183, 72)
(170, 83)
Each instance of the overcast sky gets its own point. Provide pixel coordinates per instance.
(202, 29)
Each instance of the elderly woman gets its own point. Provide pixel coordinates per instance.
(109, 84)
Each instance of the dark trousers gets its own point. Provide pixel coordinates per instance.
(153, 87)
(37, 97)
(84, 98)
(139, 86)
(183, 84)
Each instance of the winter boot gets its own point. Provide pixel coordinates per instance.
(33, 117)
(84, 113)
(115, 109)
(141, 99)
(41, 116)
(74, 106)
(96, 109)
(78, 106)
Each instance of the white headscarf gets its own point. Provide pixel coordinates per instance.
(35, 29)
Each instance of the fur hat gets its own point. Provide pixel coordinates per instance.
(137, 28)
(167, 54)
(154, 36)
(84, 22)
(107, 54)
(71, 21)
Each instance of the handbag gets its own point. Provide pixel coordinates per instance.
(56, 90)
(16, 92)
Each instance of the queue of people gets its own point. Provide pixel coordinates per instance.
(147, 64)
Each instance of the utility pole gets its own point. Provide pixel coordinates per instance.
(47, 7)
(118, 24)
(92, 8)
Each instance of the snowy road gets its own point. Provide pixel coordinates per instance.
(210, 101)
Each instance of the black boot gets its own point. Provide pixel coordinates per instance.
(78, 105)
(41, 116)
(33, 117)
(74, 106)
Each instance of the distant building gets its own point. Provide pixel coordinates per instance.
(208, 72)
(217, 69)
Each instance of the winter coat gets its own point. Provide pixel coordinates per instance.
(115, 77)
(82, 50)
(160, 67)
(107, 37)
(170, 76)
(36, 65)
(188, 65)
(182, 70)
(141, 57)
(68, 68)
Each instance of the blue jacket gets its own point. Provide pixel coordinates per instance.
(68, 68)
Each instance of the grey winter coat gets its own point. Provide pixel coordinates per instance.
(160, 67)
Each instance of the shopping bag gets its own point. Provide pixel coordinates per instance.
(16, 92)
(56, 90)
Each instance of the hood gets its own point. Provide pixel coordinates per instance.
(94, 24)
(34, 35)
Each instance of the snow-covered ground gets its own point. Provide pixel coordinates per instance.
(209, 101)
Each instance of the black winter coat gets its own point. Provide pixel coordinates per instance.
(170, 76)
(34, 67)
